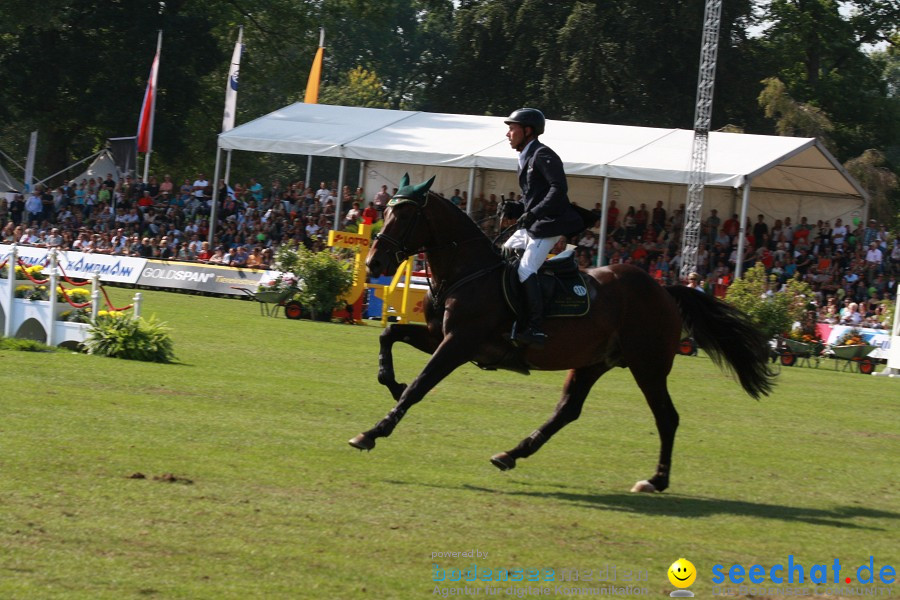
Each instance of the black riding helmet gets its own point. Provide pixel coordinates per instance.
(530, 117)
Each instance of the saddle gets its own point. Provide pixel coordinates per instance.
(565, 288)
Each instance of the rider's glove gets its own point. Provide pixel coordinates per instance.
(526, 220)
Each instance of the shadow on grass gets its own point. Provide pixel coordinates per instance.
(676, 505)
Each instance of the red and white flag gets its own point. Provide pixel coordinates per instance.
(148, 108)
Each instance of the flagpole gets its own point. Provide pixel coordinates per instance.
(215, 199)
(152, 108)
(227, 125)
(312, 95)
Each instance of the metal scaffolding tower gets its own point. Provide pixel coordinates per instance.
(706, 80)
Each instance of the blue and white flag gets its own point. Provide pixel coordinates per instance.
(232, 86)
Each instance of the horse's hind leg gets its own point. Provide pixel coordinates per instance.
(653, 384)
(416, 336)
(578, 384)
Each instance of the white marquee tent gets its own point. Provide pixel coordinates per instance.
(747, 174)
(102, 165)
(8, 184)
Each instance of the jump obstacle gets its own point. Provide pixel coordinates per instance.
(40, 320)
(401, 299)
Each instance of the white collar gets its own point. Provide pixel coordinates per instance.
(523, 153)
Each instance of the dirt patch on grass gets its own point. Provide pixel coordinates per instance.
(165, 478)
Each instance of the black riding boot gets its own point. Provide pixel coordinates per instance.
(532, 335)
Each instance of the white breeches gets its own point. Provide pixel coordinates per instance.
(536, 251)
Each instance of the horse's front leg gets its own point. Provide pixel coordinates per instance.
(450, 354)
(417, 336)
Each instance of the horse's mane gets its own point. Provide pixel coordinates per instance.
(469, 229)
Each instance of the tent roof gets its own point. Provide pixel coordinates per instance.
(799, 165)
(102, 165)
(8, 184)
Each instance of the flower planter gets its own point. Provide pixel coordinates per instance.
(852, 352)
(803, 348)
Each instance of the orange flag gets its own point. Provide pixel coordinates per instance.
(315, 74)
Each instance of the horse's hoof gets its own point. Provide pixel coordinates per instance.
(362, 442)
(503, 461)
(644, 486)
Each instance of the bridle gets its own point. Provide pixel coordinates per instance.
(403, 251)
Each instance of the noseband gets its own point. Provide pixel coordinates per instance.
(403, 251)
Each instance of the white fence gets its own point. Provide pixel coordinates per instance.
(40, 320)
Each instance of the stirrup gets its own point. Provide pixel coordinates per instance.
(531, 337)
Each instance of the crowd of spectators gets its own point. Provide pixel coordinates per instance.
(851, 267)
(171, 221)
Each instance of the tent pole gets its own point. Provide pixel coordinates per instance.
(742, 234)
(340, 195)
(213, 214)
(227, 166)
(70, 166)
(471, 191)
(11, 159)
(604, 216)
(309, 182)
(360, 181)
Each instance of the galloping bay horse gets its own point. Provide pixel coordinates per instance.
(632, 322)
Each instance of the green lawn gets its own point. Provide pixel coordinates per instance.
(251, 491)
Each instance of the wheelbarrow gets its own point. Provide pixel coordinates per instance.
(271, 300)
(791, 351)
(854, 357)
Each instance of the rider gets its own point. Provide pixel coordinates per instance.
(546, 213)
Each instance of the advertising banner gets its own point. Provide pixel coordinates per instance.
(120, 269)
(199, 277)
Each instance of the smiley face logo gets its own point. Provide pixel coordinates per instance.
(682, 573)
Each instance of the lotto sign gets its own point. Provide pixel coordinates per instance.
(344, 239)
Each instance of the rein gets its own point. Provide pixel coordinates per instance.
(436, 297)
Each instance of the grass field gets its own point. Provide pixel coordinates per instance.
(251, 491)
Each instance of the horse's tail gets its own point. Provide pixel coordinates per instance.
(728, 335)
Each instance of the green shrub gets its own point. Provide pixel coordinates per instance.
(131, 339)
(26, 345)
(772, 312)
(324, 277)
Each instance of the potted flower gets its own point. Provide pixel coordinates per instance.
(804, 341)
(29, 292)
(76, 295)
(853, 337)
(36, 272)
(76, 315)
(851, 345)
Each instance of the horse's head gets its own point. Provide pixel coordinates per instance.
(404, 231)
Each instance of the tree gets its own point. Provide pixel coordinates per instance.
(79, 76)
(792, 117)
(631, 62)
(817, 51)
(882, 184)
(358, 88)
(403, 41)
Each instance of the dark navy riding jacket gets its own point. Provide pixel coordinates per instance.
(545, 193)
